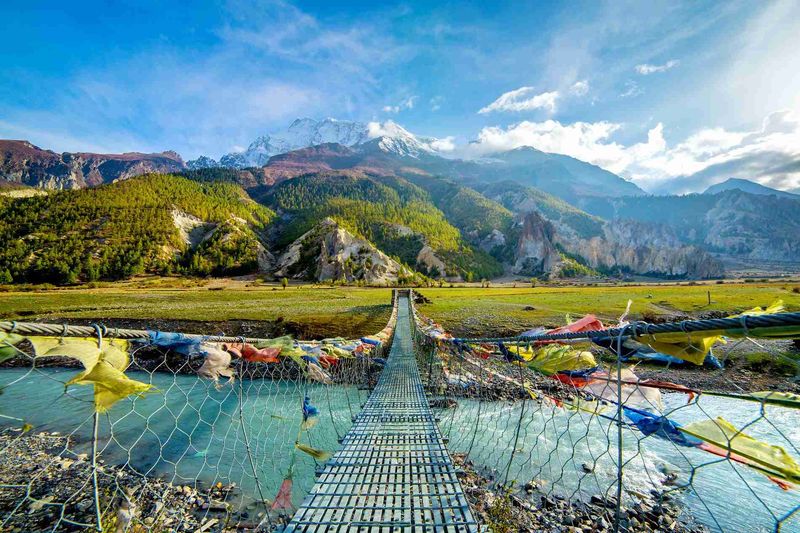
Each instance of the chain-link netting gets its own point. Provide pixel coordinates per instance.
(571, 437)
(168, 432)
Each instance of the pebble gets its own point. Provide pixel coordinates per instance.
(556, 514)
(85, 505)
(159, 505)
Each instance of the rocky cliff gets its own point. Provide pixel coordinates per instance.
(739, 224)
(643, 248)
(330, 252)
(536, 253)
(618, 245)
(22, 162)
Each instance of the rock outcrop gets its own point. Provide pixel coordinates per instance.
(492, 240)
(536, 253)
(330, 252)
(432, 264)
(643, 248)
(22, 162)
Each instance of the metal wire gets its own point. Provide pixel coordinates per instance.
(393, 470)
(572, 454)
(747, 323)
(195, 455)
(190, 454)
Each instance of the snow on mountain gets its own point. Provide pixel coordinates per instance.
(302, 133)
(305, 132)
(393, 138)
(201, 162)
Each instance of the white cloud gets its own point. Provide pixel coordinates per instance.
(407, 103)
(646, 68)
(445, 144)
(631, 89)
(436, 103)
(583, 140)
(523, 99)
(769, 155)
(579, 88)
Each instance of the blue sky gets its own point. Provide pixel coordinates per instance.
(672, 95)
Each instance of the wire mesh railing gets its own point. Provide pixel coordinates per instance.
(578, 429)
(126, 430)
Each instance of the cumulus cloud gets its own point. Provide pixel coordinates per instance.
(579, 88)
(407, 103)
(523, 99)
(646, 69)
(445, 144)
(769, 154)
(587, 141)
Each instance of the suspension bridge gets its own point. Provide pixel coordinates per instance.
(393, 470)
(135, 430)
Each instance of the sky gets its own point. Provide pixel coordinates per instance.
(674, 96)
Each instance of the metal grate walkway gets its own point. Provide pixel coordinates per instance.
(393, 472)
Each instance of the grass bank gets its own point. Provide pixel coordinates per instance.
(326, 310)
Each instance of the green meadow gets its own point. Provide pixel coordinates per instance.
(465, 310)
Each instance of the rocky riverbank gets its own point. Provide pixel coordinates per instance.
(529, 510)
(47, 486)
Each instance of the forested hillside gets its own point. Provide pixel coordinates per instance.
(521, 199)
(394, 214)
(130, 227)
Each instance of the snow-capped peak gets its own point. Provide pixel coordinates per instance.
(201, 162)
(305, 132)
(395, 139)
(301, 133)
(308, 132)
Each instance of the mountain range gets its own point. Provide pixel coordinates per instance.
(22, 162)
(306, 132)
(749, 186)
(336, 199)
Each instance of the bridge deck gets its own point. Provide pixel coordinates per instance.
(393, 471)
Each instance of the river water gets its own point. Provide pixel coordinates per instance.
(189, 431)
(554, 443)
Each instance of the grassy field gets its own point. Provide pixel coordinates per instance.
(473, 311)
(319, 310)
(351, 311)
